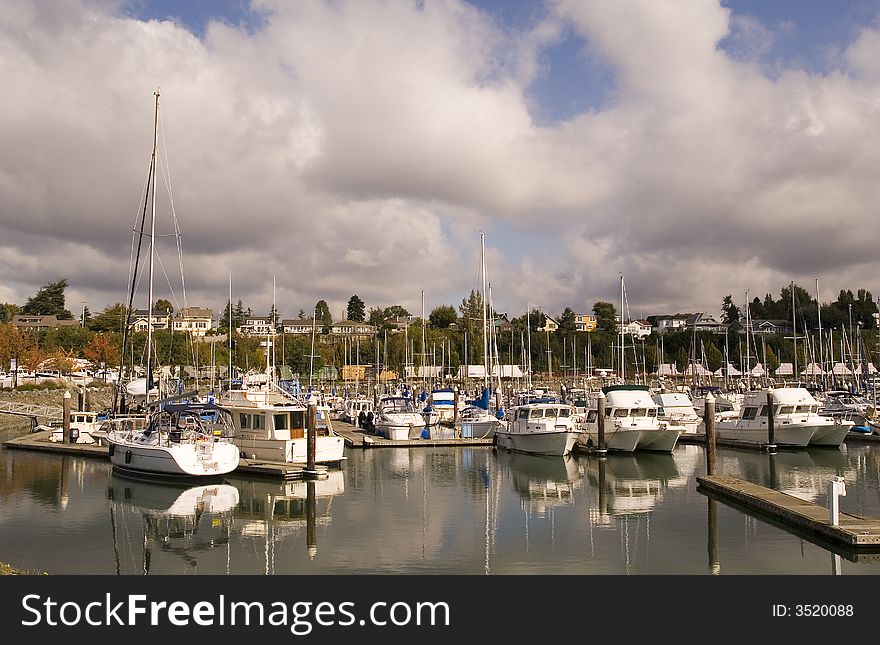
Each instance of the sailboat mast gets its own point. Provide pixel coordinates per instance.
(821, 348)
(485, 316)
(149, 366)
(794, 332)
(621, 368)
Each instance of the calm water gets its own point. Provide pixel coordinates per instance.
(429, 510)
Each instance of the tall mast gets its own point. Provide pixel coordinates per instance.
(149, 375)
(229, 343)
(485, 315)
(793, 331)
(821, 348)
(529, 332)
(424, 346)
(621, 369)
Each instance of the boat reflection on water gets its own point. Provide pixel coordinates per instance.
(630, 483)
(152, 520)
(802, 473)
(544, 481)
(271, 513)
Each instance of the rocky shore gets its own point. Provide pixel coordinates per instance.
(99, 398)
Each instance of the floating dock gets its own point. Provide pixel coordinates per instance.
(39, 441)
(809, 519)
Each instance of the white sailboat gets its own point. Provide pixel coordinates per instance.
(175, 439)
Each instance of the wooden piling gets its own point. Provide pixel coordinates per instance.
(66, 418)
(311, 440)
(600, 422)
(771, 422)
(80, 399)
(709, 421)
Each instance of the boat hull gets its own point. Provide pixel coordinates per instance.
(184, 460)
(557, 443)
(328, 449)
(794, 436)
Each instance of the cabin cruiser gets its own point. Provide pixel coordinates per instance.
(631, 422)
(540, 429)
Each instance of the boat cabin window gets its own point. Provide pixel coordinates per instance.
(749, 413)
(652, 412)
(786, 409)
(280, 421)
(536, 413)
(592, 415)
(639, 412)
(259, 422)
(660, 412)
(298, 419)
(619, 412)
(245, 420)
(763, 412)
(523, 414)
(564, 412)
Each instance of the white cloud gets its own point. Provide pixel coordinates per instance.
(360, 147)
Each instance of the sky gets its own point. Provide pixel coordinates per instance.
(319, 149)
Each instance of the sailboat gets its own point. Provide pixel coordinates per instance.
(176, 438)
(476, 419)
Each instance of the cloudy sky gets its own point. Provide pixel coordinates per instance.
(699, 148)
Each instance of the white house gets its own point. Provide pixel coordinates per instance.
(194, 320)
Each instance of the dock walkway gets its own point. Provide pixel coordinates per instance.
(851, 531)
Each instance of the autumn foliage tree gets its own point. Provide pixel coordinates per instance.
(101, 349)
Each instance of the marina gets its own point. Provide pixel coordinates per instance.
(435, 508)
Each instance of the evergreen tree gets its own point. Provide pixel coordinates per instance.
(606, 316)
(729, 311)
(322, 313)
(355, 309)
(48, 301)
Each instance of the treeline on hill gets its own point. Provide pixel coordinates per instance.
(452, 336)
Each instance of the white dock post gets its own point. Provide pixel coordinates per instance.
(836, 488)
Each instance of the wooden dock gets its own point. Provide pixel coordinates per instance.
(853, 531)
(39, 441)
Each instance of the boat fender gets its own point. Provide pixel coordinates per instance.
(425, 434)
(128, 456)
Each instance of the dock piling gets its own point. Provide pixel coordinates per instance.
(771, 422)
(709, 420)
(600, 422)
(836, 488)
(66, 438)
(311, 440)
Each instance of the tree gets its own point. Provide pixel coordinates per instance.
(101, 349)
(48, 301)
(163, 305)
(377, 317)
(442, 317)
(606, 316)
(7, 311)
(396, 311)
(111, 319)
(729, 311)
(322, 313)
(566, 323)
(355, 309)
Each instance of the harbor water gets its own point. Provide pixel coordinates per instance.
(431, 510)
